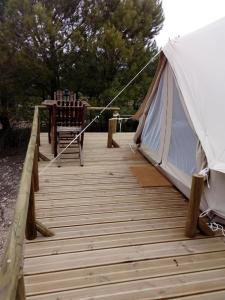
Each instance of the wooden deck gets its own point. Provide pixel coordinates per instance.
(114, 239)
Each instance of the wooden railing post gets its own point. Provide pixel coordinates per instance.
(38, 131)
(31, 230)
(111, 130)
(35, 169)
(54, 132)
(110, 134)
(20, 292)
(194, 204)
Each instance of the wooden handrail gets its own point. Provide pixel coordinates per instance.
(11, 267)
(12, 262)
(99, 108)
(89, 108)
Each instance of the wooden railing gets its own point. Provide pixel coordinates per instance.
(99, 108)
(112, 127)
(11, 267)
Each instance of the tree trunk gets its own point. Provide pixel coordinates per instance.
(54, 66)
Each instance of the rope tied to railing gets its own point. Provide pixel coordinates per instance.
(214, 226)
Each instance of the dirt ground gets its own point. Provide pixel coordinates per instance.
(10, 173)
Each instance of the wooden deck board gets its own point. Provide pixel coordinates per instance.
(114, 239)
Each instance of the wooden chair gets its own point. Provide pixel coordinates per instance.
(64, 96)
(68, 121)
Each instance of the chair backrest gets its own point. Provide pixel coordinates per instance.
(64, 96)
(70, 113)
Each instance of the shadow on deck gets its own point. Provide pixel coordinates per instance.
(114, 239)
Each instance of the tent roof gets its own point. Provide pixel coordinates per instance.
(198, 62)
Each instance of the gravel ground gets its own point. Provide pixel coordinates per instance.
(10, 173)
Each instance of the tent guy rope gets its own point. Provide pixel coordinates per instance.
(98, 116)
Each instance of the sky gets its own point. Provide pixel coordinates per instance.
(185, 16)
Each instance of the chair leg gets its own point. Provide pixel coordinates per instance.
(80, 152)
(58, 150)
(82, 140)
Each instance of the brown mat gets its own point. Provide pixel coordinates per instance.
(148, 176)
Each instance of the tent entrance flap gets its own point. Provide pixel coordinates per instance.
(179, 157)
(154, 129)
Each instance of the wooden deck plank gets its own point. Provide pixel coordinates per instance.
(153, 288)
(104, 242)
(218, 295)
(114, 239)
(91, 228)
(99, 203)
(96, 276)
(73, 220)
(95, 193)
(77, 260)
(64, 211)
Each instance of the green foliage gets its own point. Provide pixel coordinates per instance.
(93, 47)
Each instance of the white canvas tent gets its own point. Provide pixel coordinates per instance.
(182, 120)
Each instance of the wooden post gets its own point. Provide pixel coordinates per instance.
(31, 231)
(49, 124)
(35, 169)
(20, 292)
(38, 131)
(54, 131)
(194, 203)
(111, 130)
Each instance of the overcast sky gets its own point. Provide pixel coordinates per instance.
(184, 16)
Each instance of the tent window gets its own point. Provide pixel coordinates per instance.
(152, 128)
(183, 141)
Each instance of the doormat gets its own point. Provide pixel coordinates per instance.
(149, 176)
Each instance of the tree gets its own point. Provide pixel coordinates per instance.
(39, 32)
(91, 46)
(116, 39)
